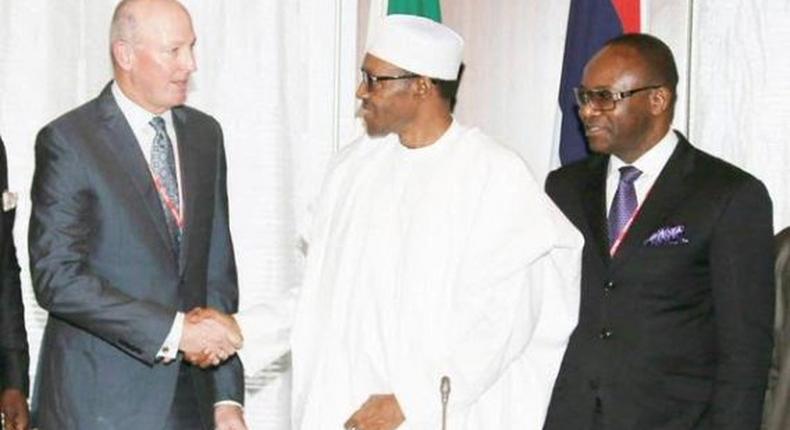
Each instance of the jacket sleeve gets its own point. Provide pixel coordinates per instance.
(223, 280)
(741, 265)
(59, 247)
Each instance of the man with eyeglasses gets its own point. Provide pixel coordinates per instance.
(433, 253)
(677, 286)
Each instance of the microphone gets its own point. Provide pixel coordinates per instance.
(444, 388)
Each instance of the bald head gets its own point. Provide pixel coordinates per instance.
(130, 14)
(151, 44)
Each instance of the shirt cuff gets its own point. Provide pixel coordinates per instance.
(229, 403)
(169, 349)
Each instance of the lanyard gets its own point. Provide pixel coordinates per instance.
(171, 206)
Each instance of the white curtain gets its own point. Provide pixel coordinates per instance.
(279, 76)
(740, 89)
(513, 59)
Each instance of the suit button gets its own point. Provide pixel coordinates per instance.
(609, 286)
(605, 334)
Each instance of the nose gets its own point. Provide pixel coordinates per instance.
(362, 91)
(586, 111)
(190, 64)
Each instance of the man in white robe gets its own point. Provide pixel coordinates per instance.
(433, 252)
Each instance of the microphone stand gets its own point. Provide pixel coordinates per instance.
(444, 388)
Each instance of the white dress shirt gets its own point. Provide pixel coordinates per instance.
(651, 163)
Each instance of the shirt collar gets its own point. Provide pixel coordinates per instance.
(449, 135)
(651, 162)
(137, 116)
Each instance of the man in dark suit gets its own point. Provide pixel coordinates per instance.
(129, 231)
(677, 303)
(14, 357)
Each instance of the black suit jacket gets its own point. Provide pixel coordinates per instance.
(671, 336)
(104, 266)
(14, 356)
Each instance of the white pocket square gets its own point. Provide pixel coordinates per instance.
(9, 200)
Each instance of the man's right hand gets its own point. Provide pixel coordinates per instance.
(209, 337)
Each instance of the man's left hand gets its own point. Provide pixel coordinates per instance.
(380, 412)
(229, 417)
(13, 405)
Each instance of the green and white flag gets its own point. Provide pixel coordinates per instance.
(380, 8)
(427, 8)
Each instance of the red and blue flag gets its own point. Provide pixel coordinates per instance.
(590, 24)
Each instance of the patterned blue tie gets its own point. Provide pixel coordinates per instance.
(624, 202)
(163, 166)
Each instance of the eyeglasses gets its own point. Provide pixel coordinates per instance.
(372, 81)
(605, 99)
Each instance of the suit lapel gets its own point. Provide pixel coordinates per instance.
(119, 136)
(594, 202)
(667, 192)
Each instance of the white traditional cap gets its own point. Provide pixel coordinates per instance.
(419, 45)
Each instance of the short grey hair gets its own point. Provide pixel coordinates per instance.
(124, 23)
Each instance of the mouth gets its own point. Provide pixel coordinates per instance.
(593, 130)
(364, 110)
(181, 85)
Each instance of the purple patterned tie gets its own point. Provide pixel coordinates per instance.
(624, 202)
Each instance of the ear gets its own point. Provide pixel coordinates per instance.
(424, 85)
(123, 53)
(660, 100)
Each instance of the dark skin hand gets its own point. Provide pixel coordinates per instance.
(380, 412)
(13, 405)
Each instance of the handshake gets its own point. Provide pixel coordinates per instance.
(209, 337)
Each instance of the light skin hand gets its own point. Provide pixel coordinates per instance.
(13, 405)
(209, 357)
(229, 417)
(227, 321)
(209, 337)
(380, 412)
